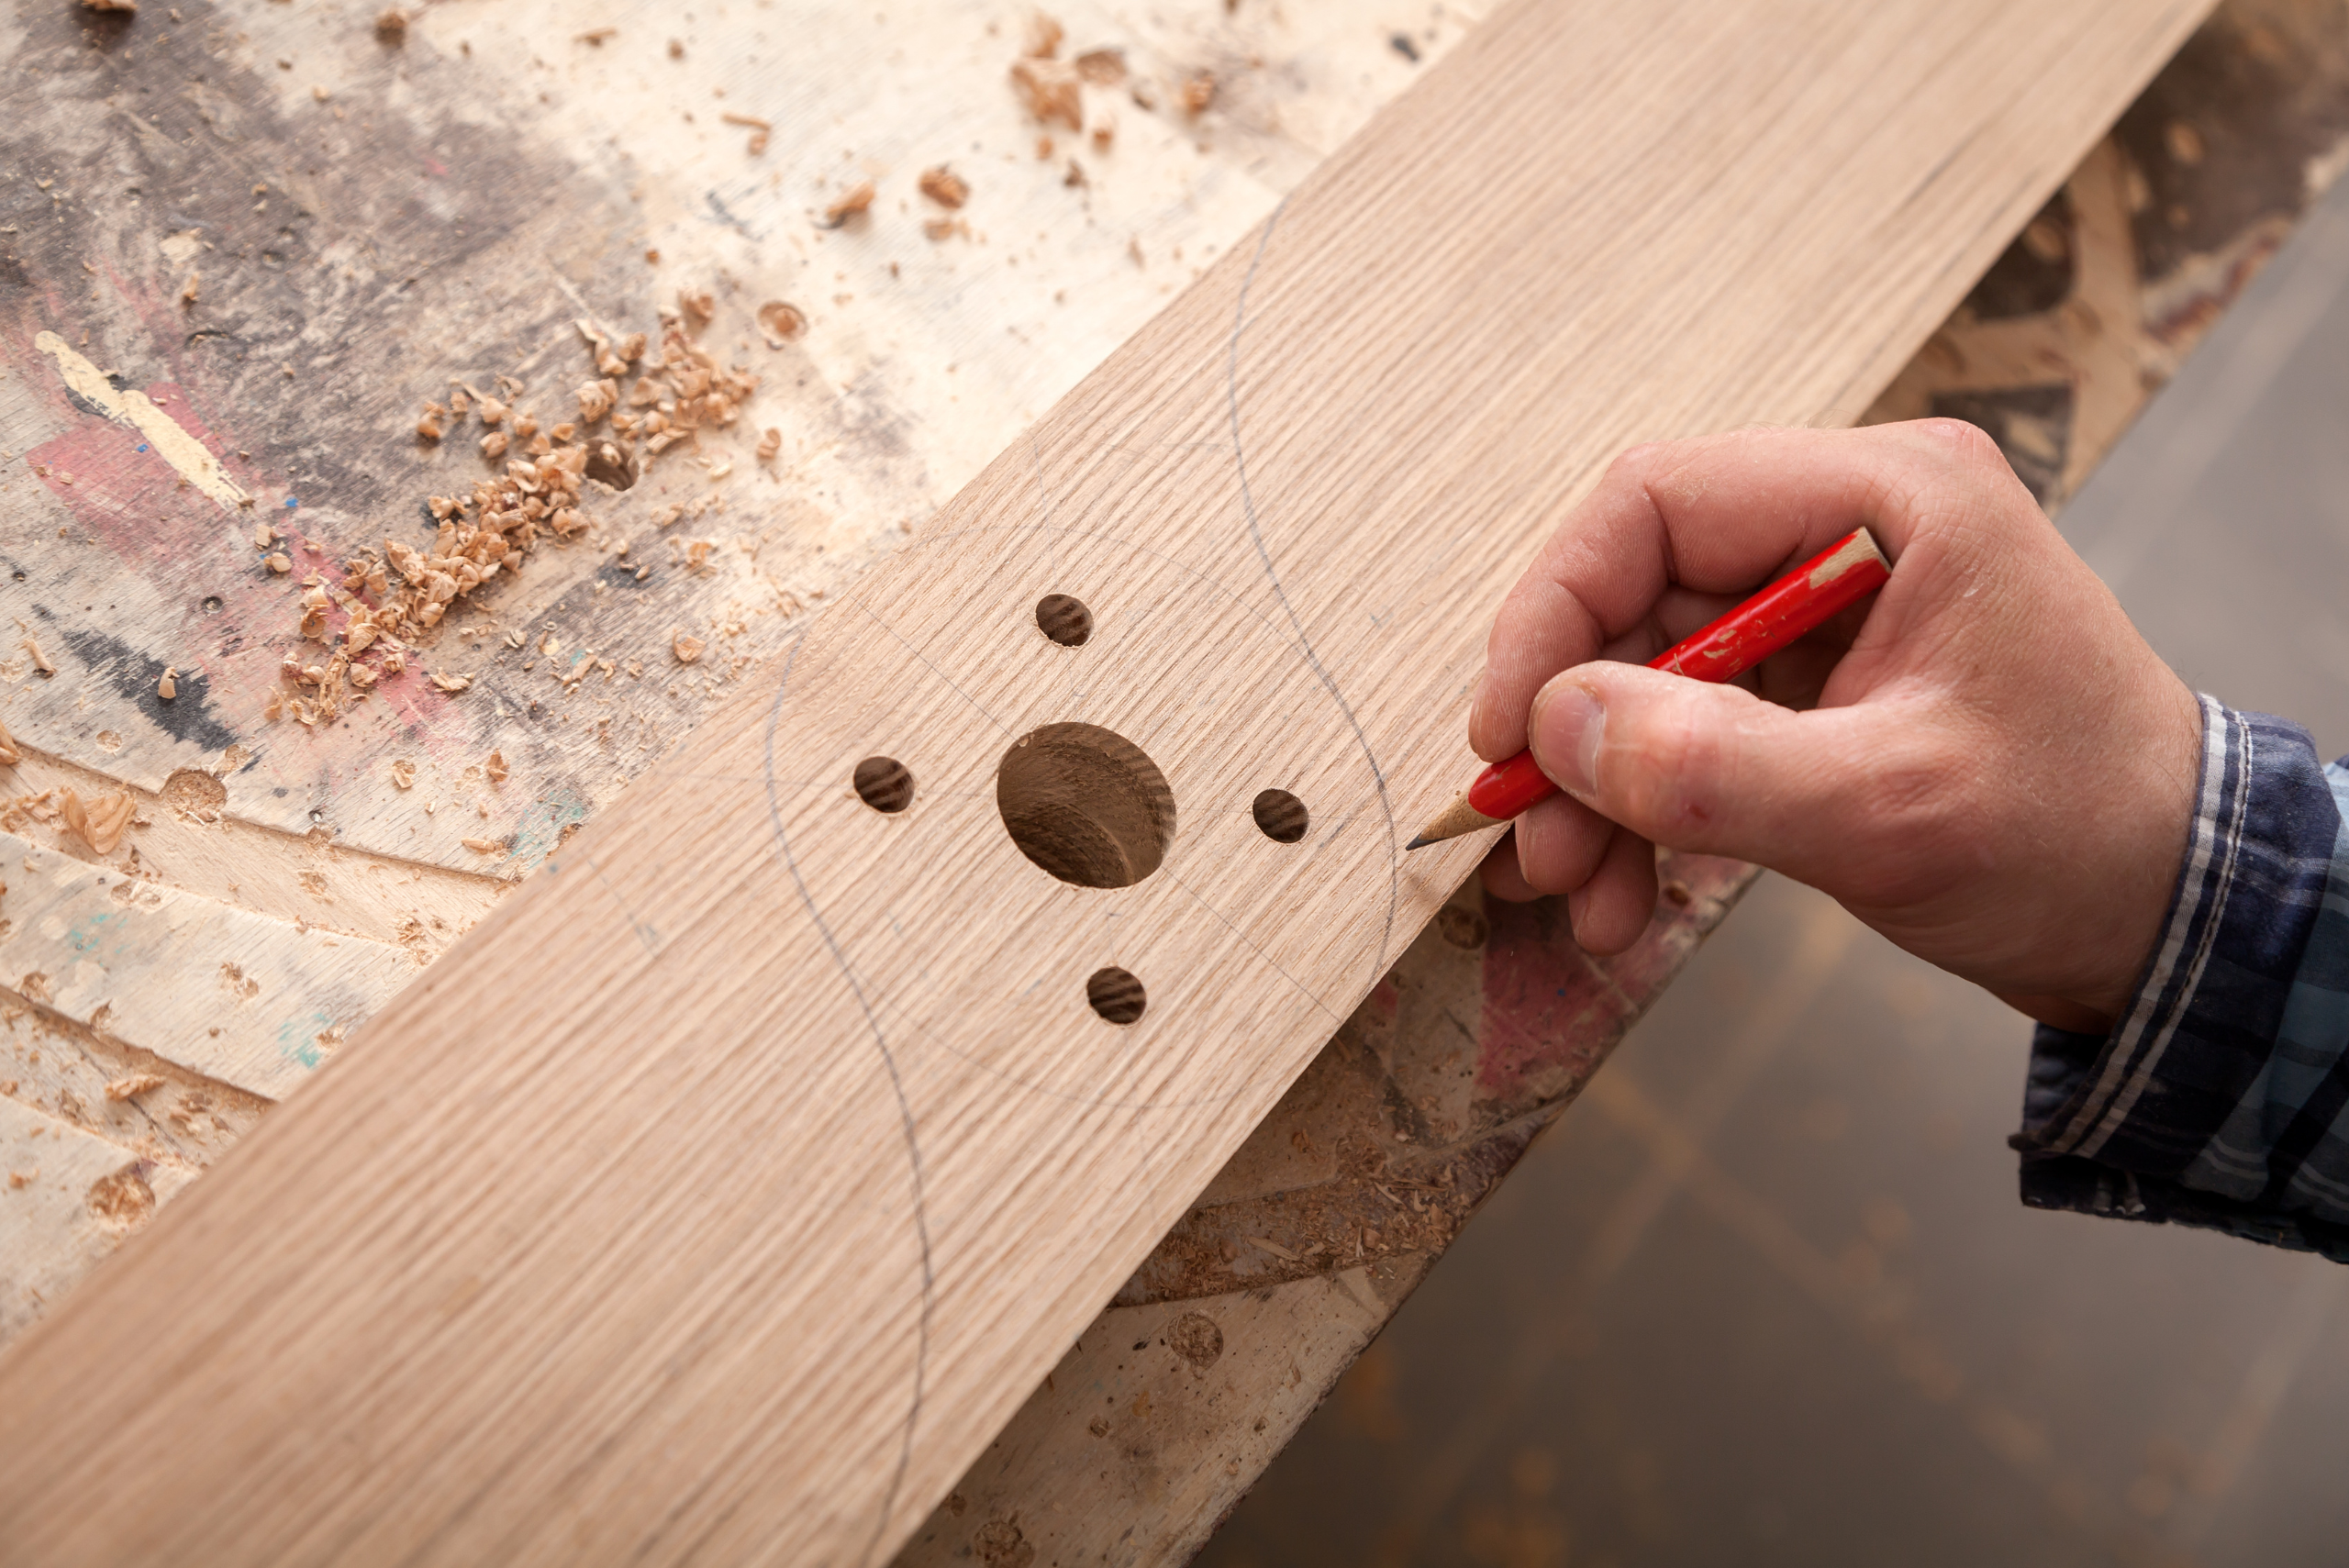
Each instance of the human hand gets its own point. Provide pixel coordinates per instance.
(1994, 770)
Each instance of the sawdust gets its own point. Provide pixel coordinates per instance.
(370, 613)
(123, 1200)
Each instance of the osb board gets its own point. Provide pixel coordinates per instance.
(670, 941)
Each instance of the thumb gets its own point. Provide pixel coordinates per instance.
(1701, 767)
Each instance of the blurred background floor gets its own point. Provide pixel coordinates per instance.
(1765, 1294)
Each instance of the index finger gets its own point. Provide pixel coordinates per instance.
(1717, 515)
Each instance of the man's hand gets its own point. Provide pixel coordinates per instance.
(1994, 770)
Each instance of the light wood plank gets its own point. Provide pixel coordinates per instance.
(377, 1332)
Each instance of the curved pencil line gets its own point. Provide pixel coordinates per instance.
(897, 1087)
(1303, 641)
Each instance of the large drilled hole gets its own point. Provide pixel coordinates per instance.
(1086, 804)
(1116, 994)
(884, 784)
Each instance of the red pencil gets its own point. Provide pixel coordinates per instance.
(1842, 574)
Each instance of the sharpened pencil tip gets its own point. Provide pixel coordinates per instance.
(1421, 840)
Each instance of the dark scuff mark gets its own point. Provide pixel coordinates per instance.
(187, 717)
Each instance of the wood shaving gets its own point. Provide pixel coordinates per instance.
(20, 1179)
(102, 822)
(390, 23)
(263, 536)
(1102, 67)
(428, 426)
(1105, 131)
(1044, 37)
(9, 755)
(449, 683)
(131, 1085)
(495, 767)
(1198, 92)
(770, 444)
(484, 846)
(780, 321)
(1052, 89)
(944, 186)
(195, 281)
(40, 659)
(699, 303)
(944, 228)
(688, 650)
(594, 37)
(403, 773)
(853, 203)
(168, 687)
(759, 130)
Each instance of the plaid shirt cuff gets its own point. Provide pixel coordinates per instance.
(2222, 1097)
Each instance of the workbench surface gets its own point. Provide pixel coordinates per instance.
(244, 247)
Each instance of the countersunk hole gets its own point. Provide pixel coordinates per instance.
(1066, 621)
(212, 606)
(884, 784)
(1116, 994)
(1281, 814)
(1086, 804)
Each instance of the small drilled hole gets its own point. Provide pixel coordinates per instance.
(884, 783)
(1281, 814)
(1066, 621)
(1116, 995)
(1086, 804)
(212, 606)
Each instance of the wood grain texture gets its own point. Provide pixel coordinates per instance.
(831, 1159)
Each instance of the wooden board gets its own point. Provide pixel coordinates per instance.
(1145, 1434)
(1519, 446)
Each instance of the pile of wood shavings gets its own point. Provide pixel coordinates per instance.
(385, 603)
(99, 822)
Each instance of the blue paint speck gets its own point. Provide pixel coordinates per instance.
(292, 502)
(142, 445)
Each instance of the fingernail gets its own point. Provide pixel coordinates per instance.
(1569, 724)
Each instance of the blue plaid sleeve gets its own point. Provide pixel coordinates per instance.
(2222, 1097)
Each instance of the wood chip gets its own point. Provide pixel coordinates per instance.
(449, 683)
(594, 37)
(279, 564)
(9, 755)
(18, 1179)
(403, 773)
(132, 1085)
(687, 649)
(759, 130)
(1044, 37)
(780, 321)
(944, 186)
(1052, 91)
(853, 203)
(769, 444)
(495, 767)
(168, 687)
(102, 822)
(390, 23)
(484, 846)
(1102, 67)
(1198, 92)
(40, 659)
(188, 289)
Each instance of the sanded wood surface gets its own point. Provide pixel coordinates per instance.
(400, 1321)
